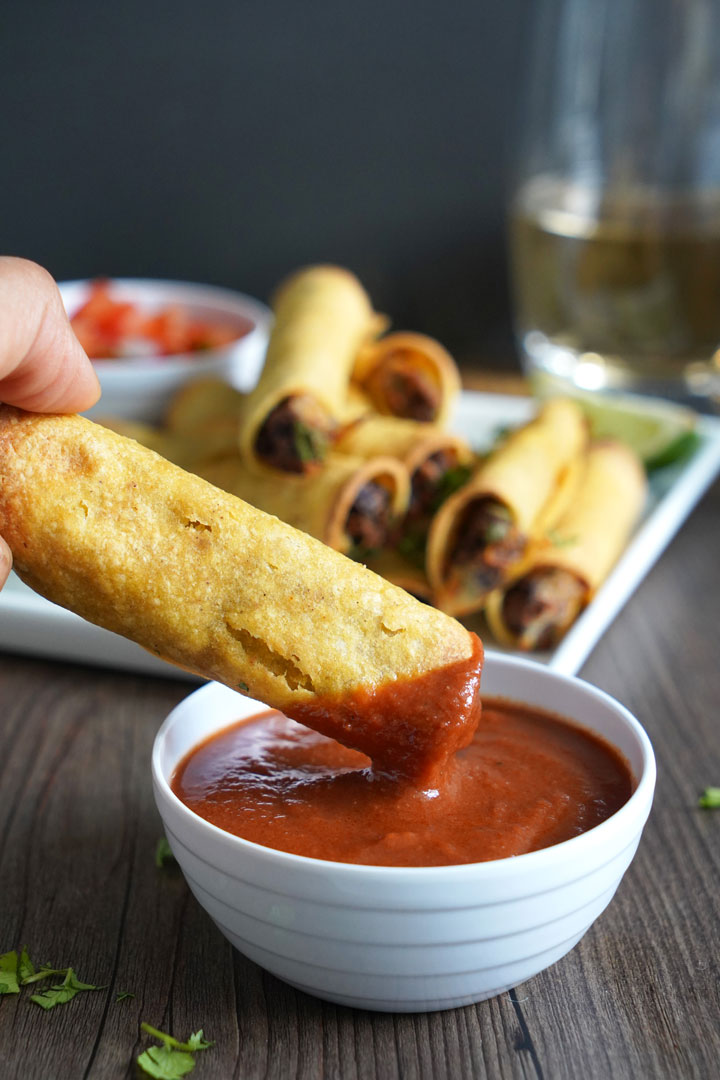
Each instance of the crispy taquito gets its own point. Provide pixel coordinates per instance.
(408, 375)
(484, 529)
(323, 317)
(351, 504)
(563, 569)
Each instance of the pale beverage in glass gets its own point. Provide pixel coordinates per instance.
(615, 218)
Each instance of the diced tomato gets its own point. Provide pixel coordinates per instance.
(169, 329)
(107, 328)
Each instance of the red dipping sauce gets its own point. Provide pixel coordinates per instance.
(528, 780)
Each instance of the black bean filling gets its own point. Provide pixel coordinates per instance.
(286, 441)
(540, 606)
(487, 543)
(369, 520)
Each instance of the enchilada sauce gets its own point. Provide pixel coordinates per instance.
(409, 727)
(527, 780)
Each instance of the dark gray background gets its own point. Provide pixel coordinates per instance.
(232, 142)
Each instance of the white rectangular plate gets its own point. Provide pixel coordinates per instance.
(30, 624)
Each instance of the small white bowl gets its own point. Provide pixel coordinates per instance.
(407, 939)
(139, 388)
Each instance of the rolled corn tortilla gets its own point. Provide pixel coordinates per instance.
(110, 530)
(201, 424)
(436, 460)
(408, 375)
(479, 533)
(202, 405)
(562, 571)
(350, 504)
(323, 316)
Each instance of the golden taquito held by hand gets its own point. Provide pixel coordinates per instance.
(110, 530)
(484, 529)
(323, 316)
(563, 569)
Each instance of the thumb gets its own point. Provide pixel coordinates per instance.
(43, 367)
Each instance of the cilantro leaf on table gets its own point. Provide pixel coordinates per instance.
(197, 1042)
(26, 968)
(123, 995)
(164, 1063)
(172, 1058)
(9, 973)
(163, 853)
(29, 974)
(62, 992)
(709, 800)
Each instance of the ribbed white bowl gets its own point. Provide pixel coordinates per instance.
(140, 388)
(399, 939)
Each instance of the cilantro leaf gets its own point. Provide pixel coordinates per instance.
(709, 800)
(9, 973)
(28, 973)
(361, 553)
(123, 994)
(450, 482)
(64, 992)
(559, 541)
(26, 968)
(412, 547)
(163, 853)
(496, 531)
(195, 1042)
(43, 973)
(244, 687)
(173, 1058)
(310, 444)
(166, 1064)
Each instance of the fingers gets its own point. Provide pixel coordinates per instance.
(43, 367)
(5, 562)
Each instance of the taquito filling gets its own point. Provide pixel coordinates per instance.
(434, 481)
(539, 607)
(369, 520)
(295, 435)
(397, 386)
(487, 542)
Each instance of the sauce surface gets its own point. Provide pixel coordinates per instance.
(528, 780)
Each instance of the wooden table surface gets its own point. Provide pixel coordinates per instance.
(638, 998)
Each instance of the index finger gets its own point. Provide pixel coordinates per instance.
(43, 367)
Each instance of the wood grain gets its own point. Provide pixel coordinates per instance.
(638, 997)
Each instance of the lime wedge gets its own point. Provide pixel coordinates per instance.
(659, 431)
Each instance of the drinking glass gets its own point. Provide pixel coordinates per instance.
(615, 212)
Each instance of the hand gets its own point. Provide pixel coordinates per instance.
(43, 367)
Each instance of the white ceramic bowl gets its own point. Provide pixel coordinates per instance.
(399, 939)
(140, 388)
